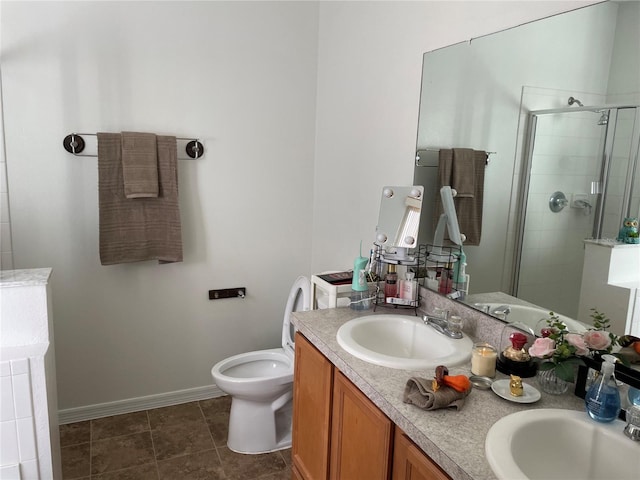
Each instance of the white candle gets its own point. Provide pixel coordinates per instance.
(483, 360)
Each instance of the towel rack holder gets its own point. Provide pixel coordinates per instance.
(74, 143)
(429, 157)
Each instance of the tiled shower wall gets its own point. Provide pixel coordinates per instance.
(565, 159)
(18, 455)
(553, 250)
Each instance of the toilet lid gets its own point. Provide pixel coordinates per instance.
(299, 300)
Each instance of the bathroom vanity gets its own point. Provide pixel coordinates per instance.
(356, 440)
(349, 415)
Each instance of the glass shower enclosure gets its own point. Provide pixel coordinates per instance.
(579, 180)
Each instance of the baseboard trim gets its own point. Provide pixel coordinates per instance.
(137, 404)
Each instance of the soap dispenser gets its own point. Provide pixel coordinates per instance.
(603, 398)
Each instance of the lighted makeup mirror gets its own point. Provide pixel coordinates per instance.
(398, 221)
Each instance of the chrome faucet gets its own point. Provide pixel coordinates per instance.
(632, 430)
(502, 310)
(441, 325)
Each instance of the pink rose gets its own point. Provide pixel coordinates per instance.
(542, 348)
(597, 339)
(577, 341)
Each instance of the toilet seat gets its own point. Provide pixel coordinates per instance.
(254, 367)
(257, 371)
(302, 286)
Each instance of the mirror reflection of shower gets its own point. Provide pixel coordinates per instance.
(604, 113)
(592, 161)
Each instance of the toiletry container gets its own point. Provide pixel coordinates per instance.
(634, 396)
(409, 287)
(391, 283)
(446, 280)
(603, 398)
(431, 280)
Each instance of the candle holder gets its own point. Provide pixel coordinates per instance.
(483, 360)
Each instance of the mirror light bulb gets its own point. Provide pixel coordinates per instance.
(388, 192)
(415, 193)
(381, 238)
(409, 240)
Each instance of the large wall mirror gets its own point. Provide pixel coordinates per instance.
(480, 95)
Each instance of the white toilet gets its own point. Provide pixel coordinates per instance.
(261, 386)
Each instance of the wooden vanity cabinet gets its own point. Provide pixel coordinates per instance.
(339, 434)
(410, 463)
(361, 435)
(312, 392)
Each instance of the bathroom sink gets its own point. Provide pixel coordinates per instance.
(401, 341)
(547, 444)
(531, 316)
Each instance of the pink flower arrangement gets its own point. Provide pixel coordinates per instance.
(562, 348)
(597, 340)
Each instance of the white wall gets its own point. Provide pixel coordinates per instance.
(239, 75)
(306, 110)
(369, 76)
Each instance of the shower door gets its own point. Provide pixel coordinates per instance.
(577, 183)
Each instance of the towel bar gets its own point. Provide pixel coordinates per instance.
(74, 143)
(428, 157)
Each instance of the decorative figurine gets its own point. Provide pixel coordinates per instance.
(629, 231)
(515, 359)
(515, 386)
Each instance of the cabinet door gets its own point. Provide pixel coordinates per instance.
(360, 435)
(411, 463)
(312, 385)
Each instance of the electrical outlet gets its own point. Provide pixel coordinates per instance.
(238, 292)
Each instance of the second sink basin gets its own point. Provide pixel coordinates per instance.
(534, 317)
(401, 341)
(547, 444)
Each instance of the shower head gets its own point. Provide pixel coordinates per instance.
(573, 100)
(604, 117)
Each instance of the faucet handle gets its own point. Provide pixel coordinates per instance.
(632, 430)
(442, 313)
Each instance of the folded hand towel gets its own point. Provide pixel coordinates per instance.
(418, 392)
(139, 165)
(462, 172)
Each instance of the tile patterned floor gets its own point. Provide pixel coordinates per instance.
(181, 442)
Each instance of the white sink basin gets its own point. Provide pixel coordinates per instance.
(548, 444)
(401, 341)
(531, 316)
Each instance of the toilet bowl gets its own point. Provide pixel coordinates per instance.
(260, 384)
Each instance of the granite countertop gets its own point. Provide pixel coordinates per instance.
(24, 278)
(453, 439)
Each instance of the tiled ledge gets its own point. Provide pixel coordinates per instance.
(24, 278)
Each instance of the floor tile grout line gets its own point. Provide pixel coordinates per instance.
(153, 445)
(110, 472)
(90, 448)
(213, 441)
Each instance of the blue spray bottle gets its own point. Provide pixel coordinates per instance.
(603, 398)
